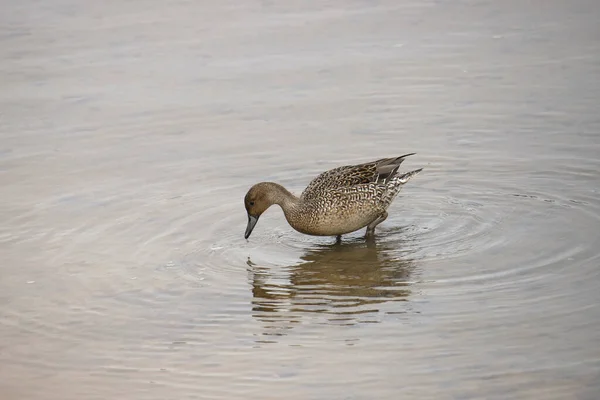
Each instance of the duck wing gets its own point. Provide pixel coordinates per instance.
(379, 171)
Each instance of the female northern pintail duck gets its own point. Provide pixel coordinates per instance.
(338, 201)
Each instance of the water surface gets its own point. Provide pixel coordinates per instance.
(130, 132)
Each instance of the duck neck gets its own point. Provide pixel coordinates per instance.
(290, 204)
(282, 197)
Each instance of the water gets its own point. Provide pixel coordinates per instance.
(130, 133)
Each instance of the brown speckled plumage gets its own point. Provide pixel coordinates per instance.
(338, 201)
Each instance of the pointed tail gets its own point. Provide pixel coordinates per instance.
(402, 179)
(396, 183)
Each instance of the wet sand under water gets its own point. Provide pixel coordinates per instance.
(130, 132)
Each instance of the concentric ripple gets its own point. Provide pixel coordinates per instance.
(434, 224)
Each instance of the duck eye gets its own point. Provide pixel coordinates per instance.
(251, 203)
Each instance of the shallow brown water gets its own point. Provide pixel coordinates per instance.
(130, 133)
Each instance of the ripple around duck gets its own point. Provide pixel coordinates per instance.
(431, 224)
(290, 273)
(119, 295)
(444, 227)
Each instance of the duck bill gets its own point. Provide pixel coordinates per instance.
(252, 220)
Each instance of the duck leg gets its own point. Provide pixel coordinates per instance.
(371, 227)
(338, 239)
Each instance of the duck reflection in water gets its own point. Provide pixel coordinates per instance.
(346, 283)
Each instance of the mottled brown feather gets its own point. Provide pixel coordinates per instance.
(350, 175)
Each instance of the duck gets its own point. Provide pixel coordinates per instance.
(336, 202)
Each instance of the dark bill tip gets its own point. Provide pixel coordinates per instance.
(251, 224)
